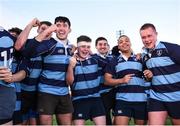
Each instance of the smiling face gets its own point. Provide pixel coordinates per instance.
(149, 37)
(84, 49)
(102, 47)
(124, 44)
(63, 30)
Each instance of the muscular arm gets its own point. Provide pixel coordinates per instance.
(22, 38)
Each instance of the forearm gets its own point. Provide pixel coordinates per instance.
(22, 38)
(18, 76)
(70, 75)
(112, 81)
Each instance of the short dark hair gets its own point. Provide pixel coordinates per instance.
(147, 25)
(115, 50)
(16, 30)
(99, 39)
(83, 38)
(62, 19)
(46, 23)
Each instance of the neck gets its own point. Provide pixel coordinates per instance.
(127, 54)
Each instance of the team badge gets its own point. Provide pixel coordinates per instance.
(60, 51)
(159, 52)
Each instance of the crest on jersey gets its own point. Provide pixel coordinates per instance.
(60, 51)
(159, 52)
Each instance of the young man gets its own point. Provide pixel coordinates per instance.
(107, 92)
(8, 94)
(82, 75)
(15, 31)
(126, 72)
(29, 84)
(53, 95)
(163, 60)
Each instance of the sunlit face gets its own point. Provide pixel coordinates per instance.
(84, 51)
(149, 37)
(102, 47)
(124, 44)
(63, 30)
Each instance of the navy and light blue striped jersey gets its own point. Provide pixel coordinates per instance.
(6, 51)
(106, 60)
(166, 73)
(134, 90)
(19, 64)
(86, 79)
(55, 62)
(30, 83)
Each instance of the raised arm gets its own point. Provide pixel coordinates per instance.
(22, 38)
(70, 71)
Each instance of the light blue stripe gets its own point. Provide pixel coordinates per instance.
(7, 42)
(89, 96)
(105, 90)
(28, 88)
(136, 81)
(60, 59)
(166, 79)
(132, 97)
(17, 87)
(7, 85)
(18, 106)
(159, 62)
(166, 97)
(87, 84)
(101, 78)
(54, 75)
(86, 69)
(35, 73)
(53, 89)
(129, 65)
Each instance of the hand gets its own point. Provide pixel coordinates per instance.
(5, 74)
(73, 61)
(35, 22)
(148, 74)
(127, 78)
(138, 56)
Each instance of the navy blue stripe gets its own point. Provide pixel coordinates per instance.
(136, 73)
(59, 83)
(85, 92)
(164, 52)
(166, 88)
(55, 67)
(165, 70)
(103, 87)
(35, 64)
(86, 77)
(6, 33)
(8, 53)
(30, 81)
(61, 51)
(131, 89)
